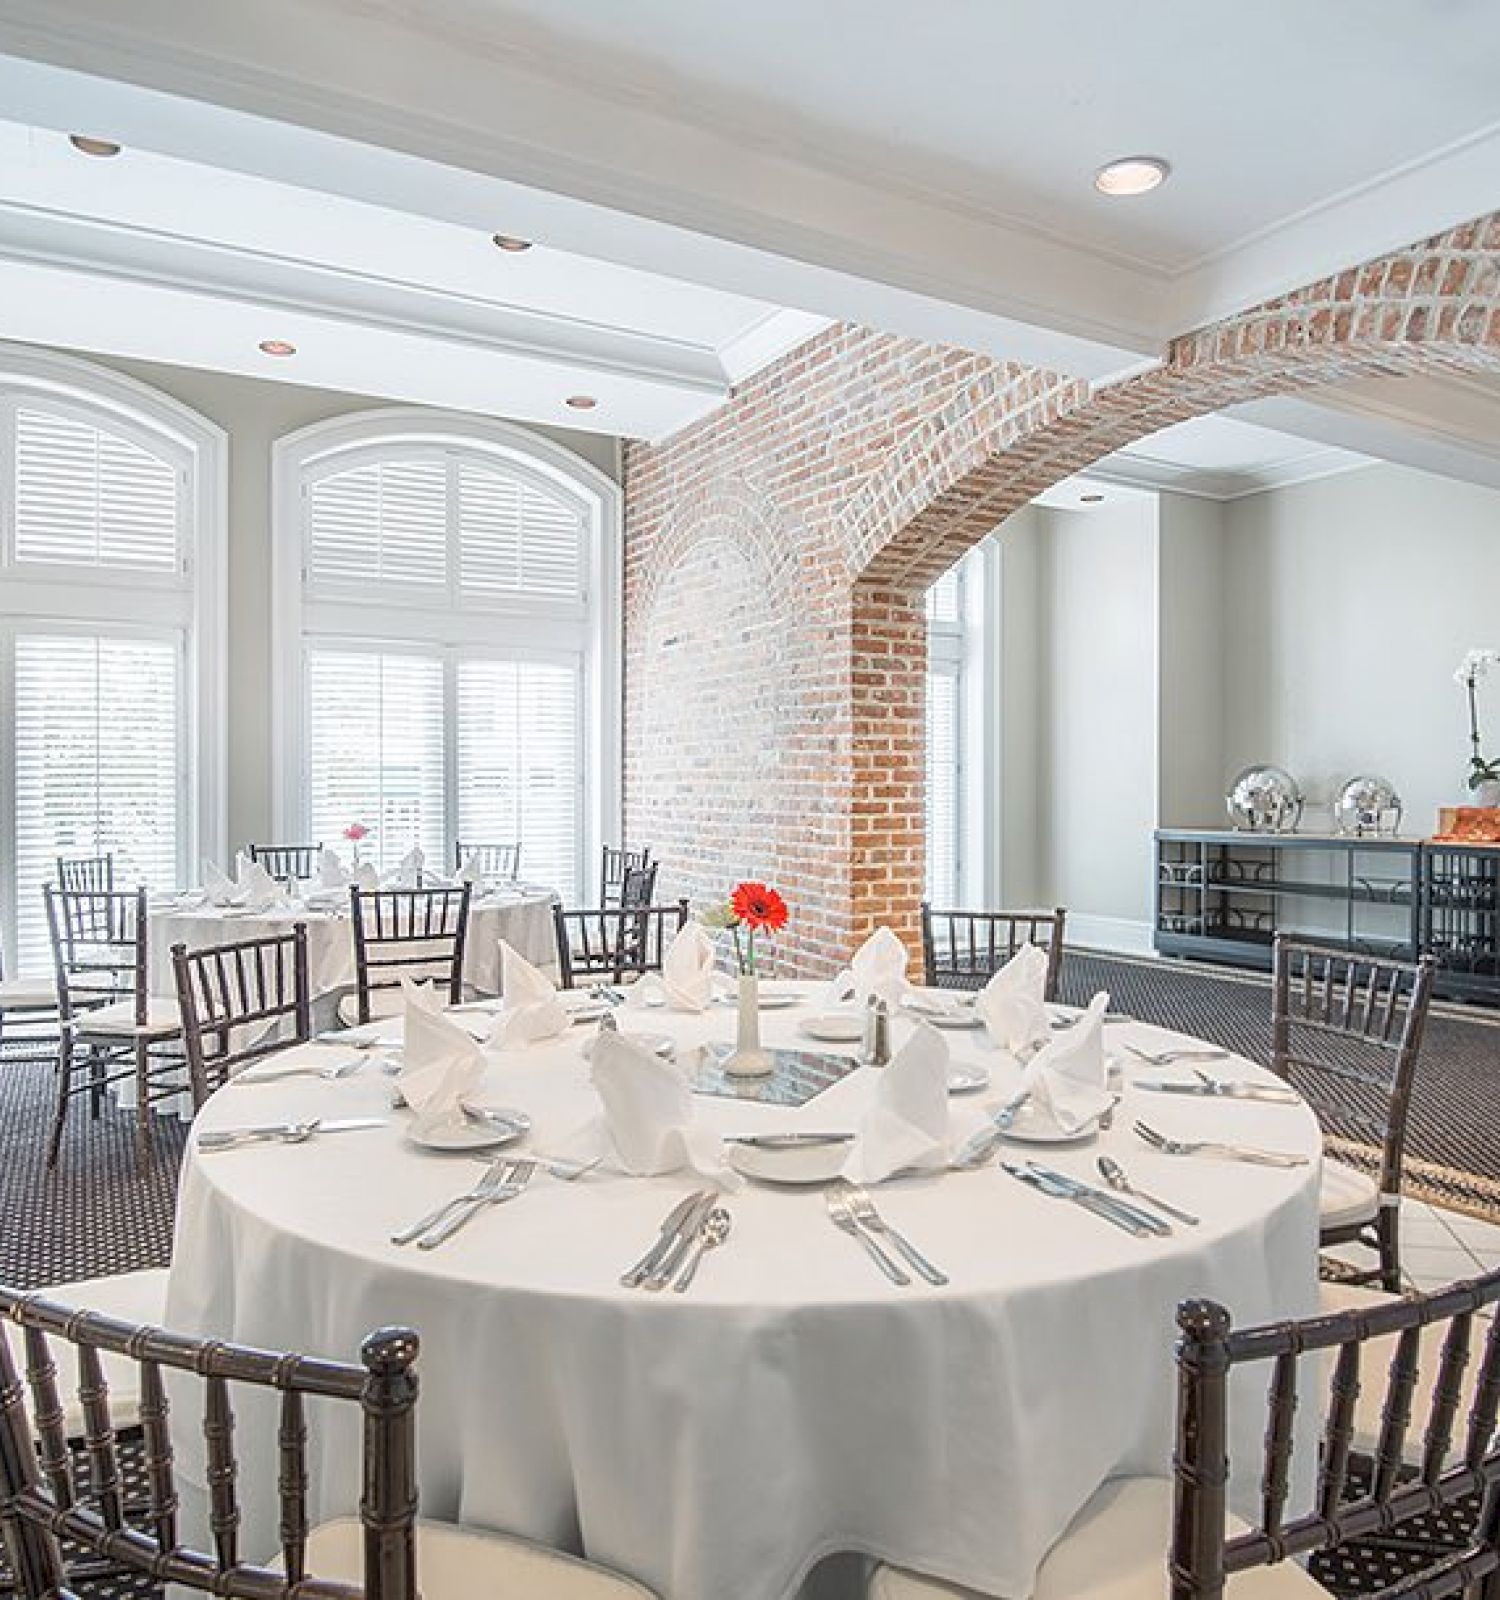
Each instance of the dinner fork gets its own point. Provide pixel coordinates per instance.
(521, 1174)
(863, 1209)
(1208, 1147)
(842, 1216)
(342, 1069)
(1165, 1058)
(493, 1178)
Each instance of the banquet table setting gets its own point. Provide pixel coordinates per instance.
(905, 1287)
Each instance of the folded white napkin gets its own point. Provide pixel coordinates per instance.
(219, 888)
(648, 1126)
(878, 967)
(441, 1066)
(259, 891)
(408, 875)
(332, 873)
(906, 1124)
(530, 1006)
(366, 876)
(1011, 1004)
(687, 968)
(1068, 1081)
(471, 872)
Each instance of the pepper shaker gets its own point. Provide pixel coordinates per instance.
(875, 1051)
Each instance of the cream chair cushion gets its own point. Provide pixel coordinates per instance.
(28, 994)
(117, 1020)
(456, 1563)
(139, 1297)
(1116, 1549)
(1347, 1197)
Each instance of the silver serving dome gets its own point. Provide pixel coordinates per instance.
(1264, 800)
(1367, 805)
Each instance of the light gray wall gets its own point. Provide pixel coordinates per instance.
(255, 413)
(1022, 695)
(1349, 602)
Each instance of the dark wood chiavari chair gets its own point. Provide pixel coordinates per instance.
(86, 874)
(493, 860)
(638, 886)
(29, 1028)
(239, 1002)
(405, 933)
(612, 943)
(55, 1495)
(614, 864)
(1408, 1462)
(965, 949)
(1346, 1032)
(109, 1018)
(288, 863)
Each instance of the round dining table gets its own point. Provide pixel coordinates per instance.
(717, 1444)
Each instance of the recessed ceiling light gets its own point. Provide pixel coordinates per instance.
(93, 147)
(581, 402)
(1089, 499)
(508, 241)
(277, 347)
(1132, 175)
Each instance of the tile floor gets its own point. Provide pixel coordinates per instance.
(1438, 1246)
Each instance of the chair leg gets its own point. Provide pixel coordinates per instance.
(64, 1091)
(145, 1148)
(1388, 1233)
(96, 1084)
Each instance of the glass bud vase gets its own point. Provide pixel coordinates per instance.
(748, 1059)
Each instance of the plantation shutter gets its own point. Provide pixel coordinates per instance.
(97, 740)
(515, 537)
(519, 777)
(942, 786)
(384, 523)
(376, 751)
(84, 497)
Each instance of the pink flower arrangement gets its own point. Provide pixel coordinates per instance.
(354, 833)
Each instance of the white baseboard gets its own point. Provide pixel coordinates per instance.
(1110, 933)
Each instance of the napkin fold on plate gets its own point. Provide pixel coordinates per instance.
(472, 873)
(367, 877)
(906, 1124)
(259, 891)
(1068, 1081)
(441, 1066)
(219, 889)
(408, 875)
(530, 1007)
(332, 873)
(648, 1124)
(877, 969)
(1012, 1004)
(687, 969)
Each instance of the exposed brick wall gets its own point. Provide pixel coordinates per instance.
(776, 554)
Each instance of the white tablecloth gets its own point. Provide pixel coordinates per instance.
(521, 917)
(715, 1445)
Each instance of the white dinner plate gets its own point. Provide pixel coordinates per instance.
(463, 1133)
(661, 1044)
(791, 1164)
(585, 1008)
(1028, 1125)
(947, 1012)
(772, 997)
(964, 1077)
(839, 1027)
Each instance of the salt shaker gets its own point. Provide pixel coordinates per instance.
(875, 1051)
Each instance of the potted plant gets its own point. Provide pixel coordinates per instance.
(1484, 776)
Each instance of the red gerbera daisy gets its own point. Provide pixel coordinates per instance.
(757, 905)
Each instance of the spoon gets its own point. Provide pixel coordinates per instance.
(714, 1232)
(1114, 1176)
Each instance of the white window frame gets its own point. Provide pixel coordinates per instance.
(529, 626)
(63, 598)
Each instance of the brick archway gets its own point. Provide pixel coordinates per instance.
(883, 460)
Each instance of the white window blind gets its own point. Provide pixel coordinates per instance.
(97, 755)
(519, 770)
(942, 786)
(384, 523)
(85, 497)
(376, 751)
(944, 598)
(514, 538)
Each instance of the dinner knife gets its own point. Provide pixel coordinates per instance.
(665, 1269)
(787, 1141)
(1222, 1090)
(669, 1229)
(981, 1145)
(1059, 1192)
(1151, 1223)
(222, 1138)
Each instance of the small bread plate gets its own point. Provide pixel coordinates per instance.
(793, 1164)
(837, 1027)
(770, 996)
(1028, 1124)
(660, 1044)
(943, 1009)
(471, 1128)
(965, 1078)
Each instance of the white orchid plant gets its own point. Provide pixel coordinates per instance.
(1475, 665)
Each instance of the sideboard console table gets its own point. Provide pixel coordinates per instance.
(1223, 895)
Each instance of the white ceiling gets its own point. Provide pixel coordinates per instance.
(921, 168)
(146, 255)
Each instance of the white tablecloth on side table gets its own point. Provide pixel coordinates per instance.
(522, 918)
(716, 1444)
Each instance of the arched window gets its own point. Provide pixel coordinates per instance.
(447, 609)
(111, 573)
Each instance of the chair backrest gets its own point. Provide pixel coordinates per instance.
(614, 864)
(638, 886)
(95, 873)
(239, 1002)
(288, 863)
(614, 942)
(98, 948)
(965, 949)
(1428, 1457)
(493, 860)
(50, 1493)
(408, 933)
(1346, 1031)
